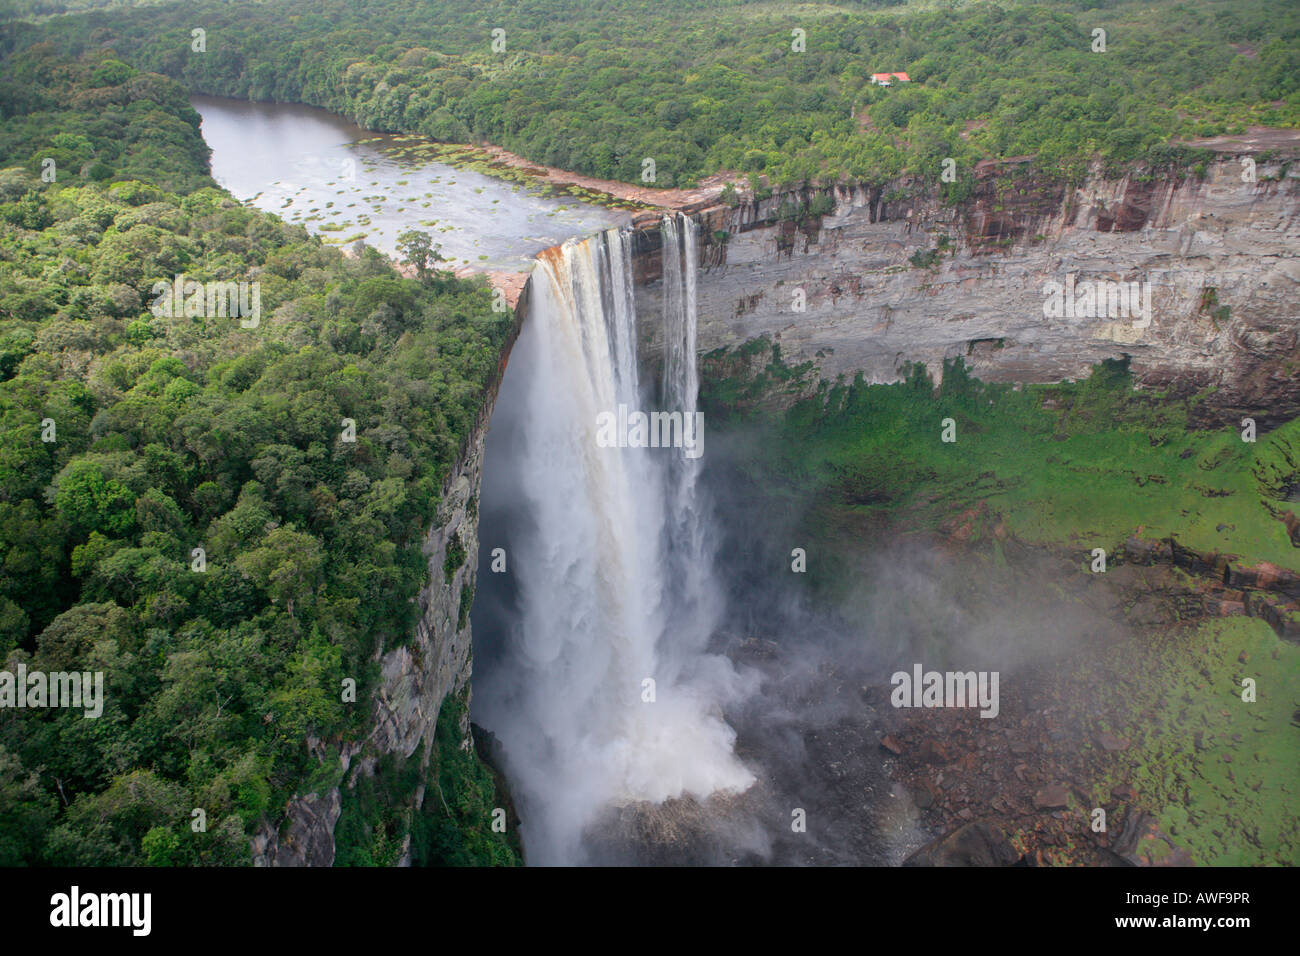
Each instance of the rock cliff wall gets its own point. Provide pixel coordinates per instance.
(892, 275)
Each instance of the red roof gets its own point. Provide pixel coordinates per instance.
(904, 77)
(885, 77)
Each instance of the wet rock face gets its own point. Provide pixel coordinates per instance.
(414, 678)
(1265, 591)
(308, 838)
(974, 844)
(880, 288)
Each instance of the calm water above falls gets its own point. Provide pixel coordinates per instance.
(343, 182)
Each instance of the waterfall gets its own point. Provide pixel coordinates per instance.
(695, 607)
(611, 581)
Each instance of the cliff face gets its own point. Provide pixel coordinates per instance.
(414, 678)
(880, 285)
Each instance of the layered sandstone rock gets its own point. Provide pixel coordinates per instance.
(1219, 254)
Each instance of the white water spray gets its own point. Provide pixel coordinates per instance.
(612, 569)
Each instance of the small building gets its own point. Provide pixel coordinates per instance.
(886, 79)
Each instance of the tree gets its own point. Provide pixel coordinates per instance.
(287, 566)
(92, 503)
(158, 846)
(419, 251)
(25, 812)
(67, 642)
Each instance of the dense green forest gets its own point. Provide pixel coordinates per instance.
(37, 9)
(703, 86)
(131, 438)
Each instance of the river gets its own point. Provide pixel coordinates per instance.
(343, 183)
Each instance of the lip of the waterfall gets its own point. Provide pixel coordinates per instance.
(644, 223)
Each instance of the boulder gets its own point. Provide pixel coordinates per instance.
(1052, 797)
(973, 844)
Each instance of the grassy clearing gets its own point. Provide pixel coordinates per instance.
(1079, 464)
